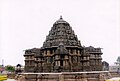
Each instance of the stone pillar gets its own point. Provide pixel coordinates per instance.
(61, 77)
(63, 63)
(75, 51)
(44, 52)
(53, 52)
(78, 52)
(58, 63)
(48, 52)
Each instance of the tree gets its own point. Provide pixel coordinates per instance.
(1, 68)
(118, 60)
(10, 68)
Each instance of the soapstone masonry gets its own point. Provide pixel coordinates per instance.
(62, 52)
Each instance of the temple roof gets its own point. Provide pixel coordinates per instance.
(61, 21)
(61, 32)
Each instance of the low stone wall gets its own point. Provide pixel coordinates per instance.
(11, 75)
(66, 76)
(115, 74)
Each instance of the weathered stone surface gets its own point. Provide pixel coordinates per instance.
(62, 52)
(67, 76)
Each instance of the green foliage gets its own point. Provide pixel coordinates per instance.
(118, 59)
(10, 68)
(0, 66)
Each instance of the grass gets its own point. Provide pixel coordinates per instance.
(3, 77)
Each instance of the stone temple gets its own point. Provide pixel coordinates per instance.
(62, 52)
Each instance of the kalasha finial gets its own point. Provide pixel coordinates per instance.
(61, 17)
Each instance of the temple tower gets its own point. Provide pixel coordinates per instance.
(62, 43)
(62, 51)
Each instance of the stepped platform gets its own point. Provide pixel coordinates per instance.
(67, 76)
(115, 74)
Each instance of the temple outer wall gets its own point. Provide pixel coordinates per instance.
(67, 76)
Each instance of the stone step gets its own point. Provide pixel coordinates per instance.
(115, 74)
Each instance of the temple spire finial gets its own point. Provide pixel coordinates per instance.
(61, 17)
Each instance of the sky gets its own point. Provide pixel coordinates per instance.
(24, 24)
